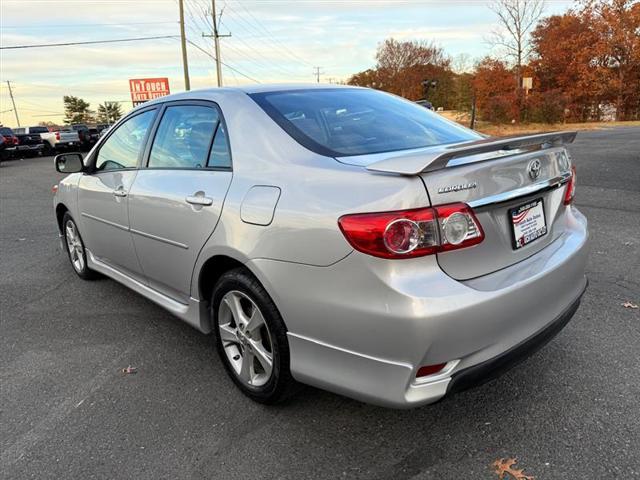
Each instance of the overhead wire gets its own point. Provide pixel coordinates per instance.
(271, 36)
(92, 42)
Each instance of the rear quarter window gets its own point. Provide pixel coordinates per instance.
(348, 121)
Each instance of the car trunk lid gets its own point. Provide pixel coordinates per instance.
(517, 180)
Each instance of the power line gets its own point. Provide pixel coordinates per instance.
(271, 36)
(251, 54)
(248, 26)
(225, 64)
(73, 25)
(258, 61)
(212, 23)
(138, 39)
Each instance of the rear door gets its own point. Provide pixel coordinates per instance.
(103, 195)
(175, 202)
(518, 200)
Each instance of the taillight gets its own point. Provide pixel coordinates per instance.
(58, 136)
(570, 192)
(412, 233)
(16, 141)
(459, 227)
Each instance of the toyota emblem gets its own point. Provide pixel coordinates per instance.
(534, 169)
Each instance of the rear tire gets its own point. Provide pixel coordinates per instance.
(75, 249)
(251, 338)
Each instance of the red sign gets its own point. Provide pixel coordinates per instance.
(145, 89)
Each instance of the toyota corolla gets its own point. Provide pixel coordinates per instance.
(334, 236)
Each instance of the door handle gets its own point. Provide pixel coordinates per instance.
(199, 200)
(120, 192)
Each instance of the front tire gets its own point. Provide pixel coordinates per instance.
(75, 249)
(251, 338)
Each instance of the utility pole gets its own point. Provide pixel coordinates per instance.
(15, 110)
(216, 40)
(317, 73)
(183, 41)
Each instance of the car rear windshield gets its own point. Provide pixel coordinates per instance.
(349, 121)
(38, 130)
(6, 131)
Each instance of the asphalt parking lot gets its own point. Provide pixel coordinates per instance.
(67, 411)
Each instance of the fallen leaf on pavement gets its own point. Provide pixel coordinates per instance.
(130, 370)
(629, 305)
(505, 466)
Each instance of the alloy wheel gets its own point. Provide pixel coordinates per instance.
(74, 244)
(246, 338)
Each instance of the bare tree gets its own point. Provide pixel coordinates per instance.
(462, 63)
(517, 18)
(396, 56)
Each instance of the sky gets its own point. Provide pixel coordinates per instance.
(271, 41)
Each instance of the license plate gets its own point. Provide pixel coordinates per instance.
(528, 223)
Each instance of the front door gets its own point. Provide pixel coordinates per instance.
(103, 195)
(175, 203)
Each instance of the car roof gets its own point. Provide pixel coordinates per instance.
(216, 93)
(279, 87)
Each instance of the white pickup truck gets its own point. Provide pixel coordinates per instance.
(65, 138)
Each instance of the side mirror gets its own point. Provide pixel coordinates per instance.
(69, 163)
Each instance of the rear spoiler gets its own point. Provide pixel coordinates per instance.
(438, 157)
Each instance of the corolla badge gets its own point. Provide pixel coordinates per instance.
(534, 168)
(458, 187)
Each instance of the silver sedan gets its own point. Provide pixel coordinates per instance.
(333, 236)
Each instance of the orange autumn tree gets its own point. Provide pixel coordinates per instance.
(591, 58)
(402, 66)
(493, 85)
(565, 61)
(617, 24)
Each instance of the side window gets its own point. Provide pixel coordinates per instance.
(220, 156)
(184, 137)
(122, 148)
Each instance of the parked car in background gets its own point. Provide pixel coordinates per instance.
(91, 136)
(10, 142)
(102, 126)
(60, 140)
(39, 130)
(84, 135)
(425, 104)
(336, 236)
(104, 131)
(52, 140)
(30, 141)
(4, 155)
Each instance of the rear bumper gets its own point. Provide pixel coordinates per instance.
(363, 326)
(483, 372)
